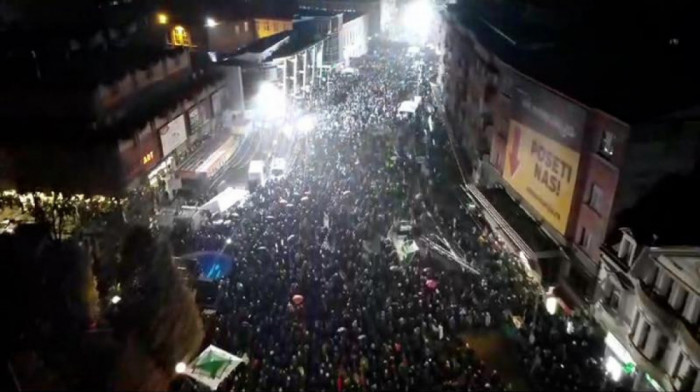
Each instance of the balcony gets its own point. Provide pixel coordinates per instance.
(656, 307)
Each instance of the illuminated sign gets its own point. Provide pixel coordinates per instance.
(542, 171)
(148, 158)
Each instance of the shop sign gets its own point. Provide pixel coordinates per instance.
(173, 135)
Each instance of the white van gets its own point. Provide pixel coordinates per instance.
(256, 174)
(278, 168)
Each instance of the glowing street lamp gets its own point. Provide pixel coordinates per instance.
(271, 102)
(306, 123)
(162, 18)
(180, 368)
(211, 22)
(419, 18)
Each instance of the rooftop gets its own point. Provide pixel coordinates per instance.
(682, 262)
(629, 70)
(80, 68)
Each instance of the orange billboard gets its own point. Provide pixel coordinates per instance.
(543, 171)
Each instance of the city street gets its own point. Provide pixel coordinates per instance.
(376, 161)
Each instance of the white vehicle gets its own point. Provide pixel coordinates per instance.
(278, 168)
(256, 174)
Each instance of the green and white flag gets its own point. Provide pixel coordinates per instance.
(213, 365)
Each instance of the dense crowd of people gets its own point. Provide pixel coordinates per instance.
(319, 298)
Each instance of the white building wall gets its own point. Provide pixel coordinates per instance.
(668, 320)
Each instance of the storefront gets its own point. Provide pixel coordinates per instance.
(209, 159)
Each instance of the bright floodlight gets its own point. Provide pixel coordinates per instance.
(228, 241)
(613, 368)
(180, 367)
(116, 299)
(551, 304)
(162, 18)
(270, 101)
(306, 123)
(211, 22)
(418, 19)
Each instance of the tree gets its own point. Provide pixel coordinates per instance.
(158, 321)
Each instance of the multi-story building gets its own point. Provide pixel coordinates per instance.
(373, 10)
(649, 301)
(103, 121)
(294, 60)
(558, 140)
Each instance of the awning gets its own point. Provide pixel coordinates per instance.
(500, 223)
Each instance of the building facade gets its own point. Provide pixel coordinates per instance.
(572, 167)
(648, 300)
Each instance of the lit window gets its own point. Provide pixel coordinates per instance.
(180, 37)
(585, 238)
(595, 198)
(245, 26)
(238, 29)
(162, 18)
(607, 144)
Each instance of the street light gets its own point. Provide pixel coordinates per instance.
(116, 299)
(271, 102)
(306, 123)
(211, 22)
(162, 18)
(180, 368)
(418, 18)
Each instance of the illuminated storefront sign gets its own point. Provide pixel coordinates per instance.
(543, 172)
(148, 158)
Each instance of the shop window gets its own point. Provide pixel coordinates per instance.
(606, 148)
(595, 198)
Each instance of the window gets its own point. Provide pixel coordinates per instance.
(595, 198)
(644, 336)
(681, 297)
(238, 29)
(607, 142)
(585, 238)
(661, 348)
(677, 367)
(245, 26)
(635, 323)
(688, 380)
(613, 300)
(180, 36)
